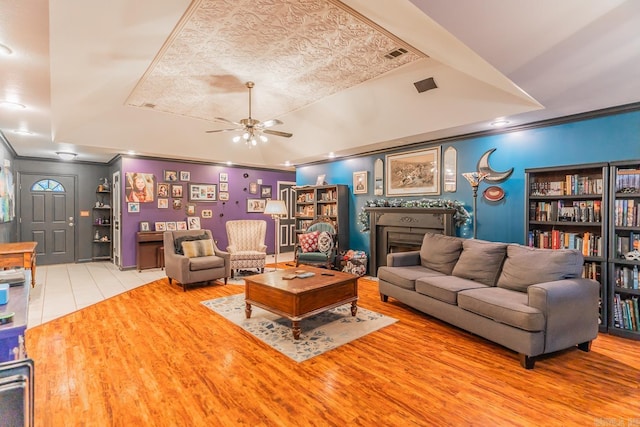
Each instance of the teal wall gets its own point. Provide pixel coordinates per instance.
(602, 139)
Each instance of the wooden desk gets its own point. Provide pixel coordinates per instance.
(148, 244)
(19, 254)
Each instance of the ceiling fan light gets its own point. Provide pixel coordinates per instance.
(236, 138)
(245, 136)
(254, 142)
(263, 138)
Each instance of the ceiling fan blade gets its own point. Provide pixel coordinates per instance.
(223, 120)
(272, 122)
(224, 130)
(278, 133)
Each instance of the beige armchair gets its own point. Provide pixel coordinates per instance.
(191, 256)
(246, 244)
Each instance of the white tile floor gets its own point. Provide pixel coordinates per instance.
(64, 288)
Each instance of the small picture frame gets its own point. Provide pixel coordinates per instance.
(223, 196)
(256, 205)
(190, 209)
(163, 203)
(185, 176)
(176, 191)
(171, 226)
(207, 213)
(253, 188)
(181, 225)
(133, 207)
(163, 190)
(360, 182)
(321, 180)
(224, 186)
(193, 223)
(265, 191)
(160, 226)
(144, 226)
(224, 177)
(177, 204)
(170, 175)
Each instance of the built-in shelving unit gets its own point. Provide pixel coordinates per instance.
(567, 208)
(624, 294)
(102, 235)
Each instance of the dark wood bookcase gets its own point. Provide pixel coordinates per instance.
(567, 208)
(624, 235)
(324, 200)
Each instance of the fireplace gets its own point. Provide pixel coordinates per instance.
(402, 229)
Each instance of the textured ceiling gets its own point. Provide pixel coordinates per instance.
(297, 52)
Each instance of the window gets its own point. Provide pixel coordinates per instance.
(48, 185)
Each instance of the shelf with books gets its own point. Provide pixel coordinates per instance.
(323, 200)
(567, 209)
(624, 254)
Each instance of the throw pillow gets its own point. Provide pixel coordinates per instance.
(325, 242)
(309, 241)
(527, 266)
(439, 252)
(480, 261)
(197, 248)
(188, 238)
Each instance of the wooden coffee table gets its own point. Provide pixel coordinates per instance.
(297, 299)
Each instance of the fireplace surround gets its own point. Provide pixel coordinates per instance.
(402, 229)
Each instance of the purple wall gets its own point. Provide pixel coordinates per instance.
(223, 211)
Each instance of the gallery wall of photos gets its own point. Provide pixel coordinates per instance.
(160, 195)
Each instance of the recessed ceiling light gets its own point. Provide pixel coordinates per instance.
(287, 163)
(65, 155)
(22, 132)
(13, 105)
(332, 155)
(4, 49)
(229, 163)
(131, 153)
(500, 123)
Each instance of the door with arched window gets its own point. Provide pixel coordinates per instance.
(47, 216)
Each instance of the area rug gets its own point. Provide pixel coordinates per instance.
(320, 333)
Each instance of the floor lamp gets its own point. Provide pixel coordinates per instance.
(475, 178)
(277, 209)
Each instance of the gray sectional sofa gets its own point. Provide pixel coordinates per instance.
(530, 300)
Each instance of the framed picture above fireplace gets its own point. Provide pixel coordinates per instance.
(413, 173)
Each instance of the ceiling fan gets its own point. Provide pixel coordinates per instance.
(252, 129)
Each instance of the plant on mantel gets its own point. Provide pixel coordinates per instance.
(461, 217)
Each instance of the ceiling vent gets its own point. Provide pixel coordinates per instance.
(148, 105)
(425, 85)
(395, 53)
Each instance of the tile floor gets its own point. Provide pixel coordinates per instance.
(64, 288)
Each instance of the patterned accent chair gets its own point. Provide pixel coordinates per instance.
(191, 256)
(247, 244)
(318, 245)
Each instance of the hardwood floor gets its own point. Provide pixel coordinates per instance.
(155, 356)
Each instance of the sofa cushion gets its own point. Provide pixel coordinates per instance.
(197, 248)
(503, 306)
(188, 238)
(309, 241)
(439, 252)
(325, 242)
(527, 266)
(480, 261)
(405, 277)
(206, 263)
(445, 288)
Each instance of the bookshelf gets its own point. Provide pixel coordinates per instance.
(567, 209)
(102, 226)
(323, 200)
(624, 237)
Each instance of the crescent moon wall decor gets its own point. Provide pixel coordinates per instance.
(493, 175)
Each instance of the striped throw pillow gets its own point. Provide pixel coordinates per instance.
(197, 248)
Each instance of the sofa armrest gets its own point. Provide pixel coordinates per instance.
(262, 248)
(227, 259)
(231, 249)
(570, 308)
(403, 259)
